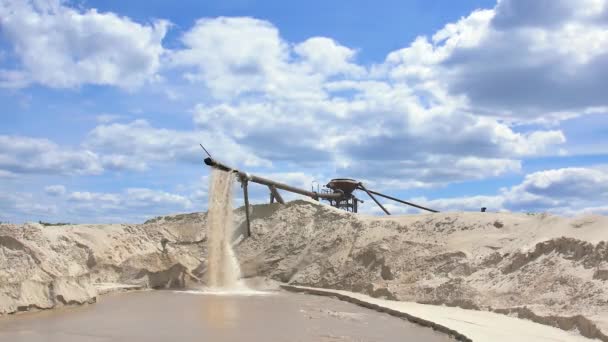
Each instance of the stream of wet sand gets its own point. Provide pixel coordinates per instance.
(171, 316)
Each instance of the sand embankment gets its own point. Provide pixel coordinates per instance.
(548, 269)
(462, 324)
(44, 267)
(545, 268)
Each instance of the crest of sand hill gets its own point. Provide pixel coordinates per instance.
(550, 269)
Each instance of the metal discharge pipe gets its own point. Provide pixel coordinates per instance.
(337, 195)
(400, 201)
(264, 181)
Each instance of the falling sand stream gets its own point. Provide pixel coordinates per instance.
(223, 270)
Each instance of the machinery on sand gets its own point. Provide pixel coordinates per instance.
(339, 192)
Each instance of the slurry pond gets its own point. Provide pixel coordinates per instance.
(172, 316)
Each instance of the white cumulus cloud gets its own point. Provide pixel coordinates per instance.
(566, 191)
(523, 60)
(63, 47)
(133, 145)
(20, 154)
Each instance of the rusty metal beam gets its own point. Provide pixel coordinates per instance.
(402, 201)
(260, 180)
(246, 197)
(374, 198)
(275, 194)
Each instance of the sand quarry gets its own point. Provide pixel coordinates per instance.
(541, 268)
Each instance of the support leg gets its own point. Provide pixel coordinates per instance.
(274, 193)
(374, 198)
(246, 197)
(401, 201)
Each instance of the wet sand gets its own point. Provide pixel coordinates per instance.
(169, 316)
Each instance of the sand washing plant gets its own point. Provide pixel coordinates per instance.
(339, 192)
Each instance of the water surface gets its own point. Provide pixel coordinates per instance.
(170, 316)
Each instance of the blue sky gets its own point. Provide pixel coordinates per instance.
(456, 105)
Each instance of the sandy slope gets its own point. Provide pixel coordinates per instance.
(44, 267)
(549, 269)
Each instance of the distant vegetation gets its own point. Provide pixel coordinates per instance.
(175, 217)
(54, 224)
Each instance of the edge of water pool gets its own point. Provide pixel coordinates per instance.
(403, 315)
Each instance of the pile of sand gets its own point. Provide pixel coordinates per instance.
(549, 269)
(42, 267)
